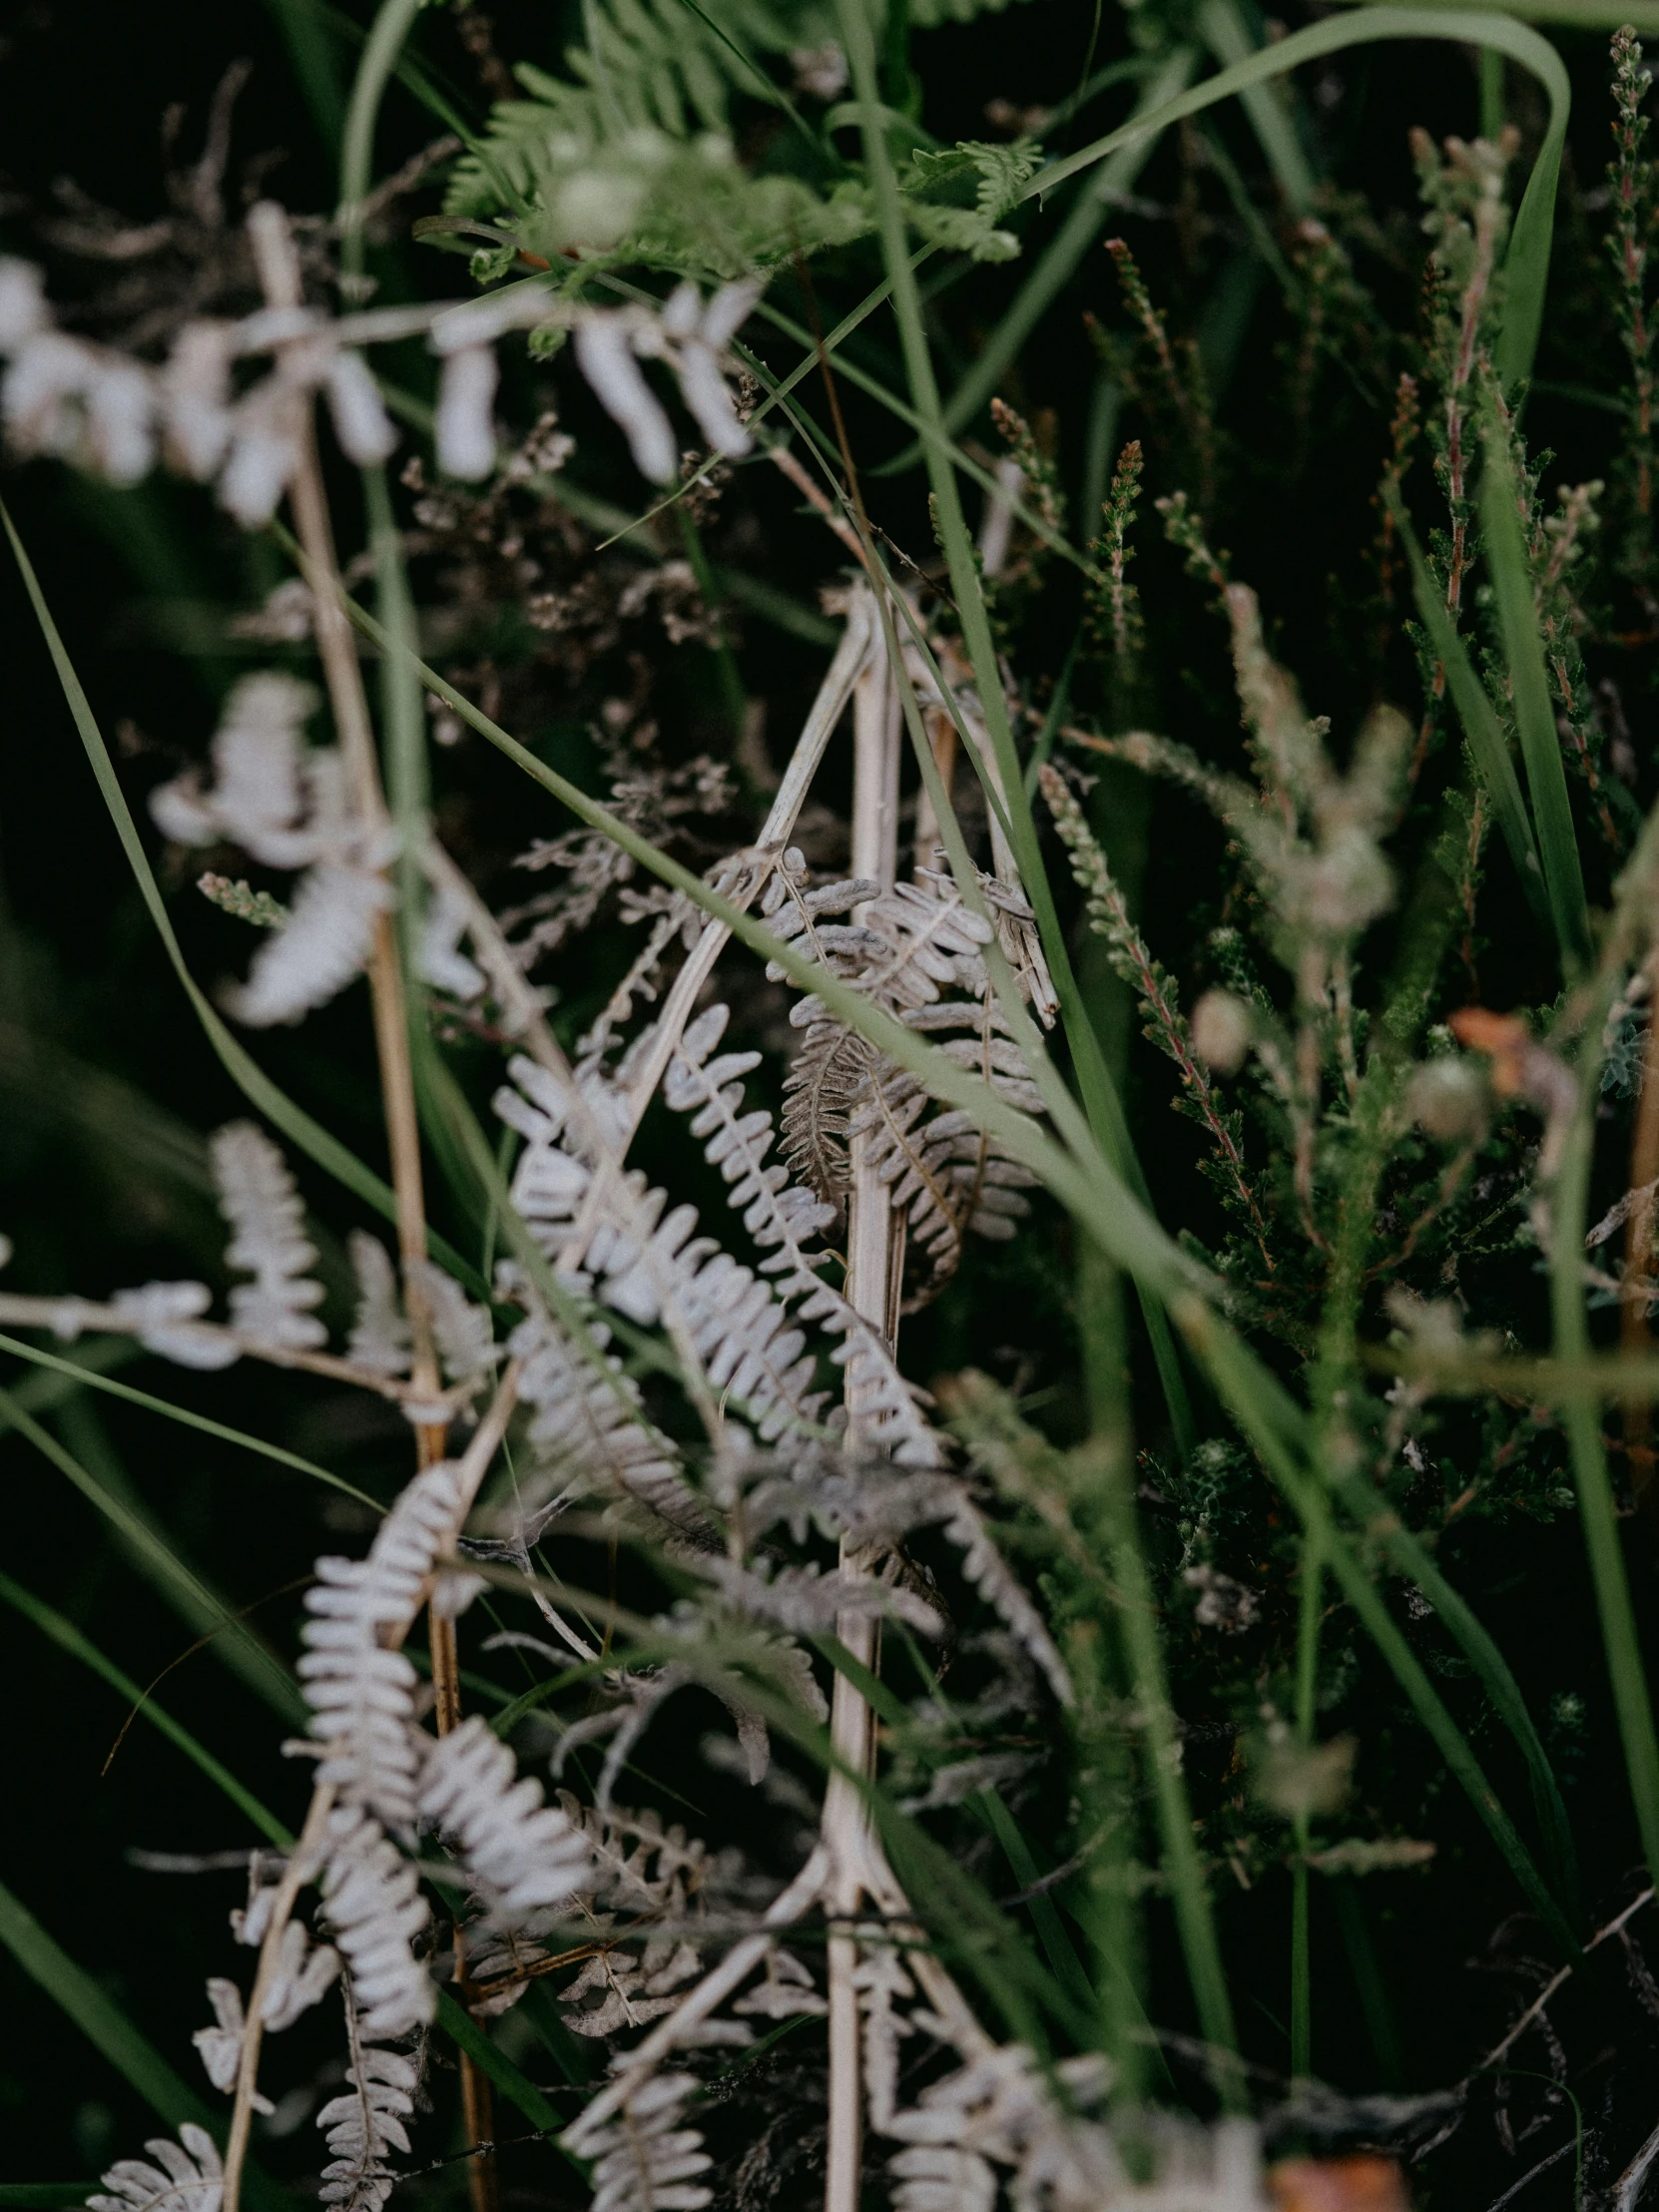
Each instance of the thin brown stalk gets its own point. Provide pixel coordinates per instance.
(303, 1864)
(278, 270)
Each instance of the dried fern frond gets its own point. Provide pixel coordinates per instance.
(644, 2160)
(942, 1171)
(590, 1430)
(821, 1090)
(257, 1196)
(779, 1215)
(371, 1896)
(524, 1857)
(640, 1252)
(187, 2177)
(379, 1338)
(870, 1504)
(463, 1332)
(219, 2046)
(365, 2124)
(258, 797)
(289, 807)
(361, 1694)
(322, 946)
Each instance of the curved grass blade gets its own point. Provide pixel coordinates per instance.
(190, 1598)
(1230, 1366)
(1523, 652)
(1380, 1523)
(69, 1638)
(1224, 31)
(89, 1379)
(1621, 1643)
(1526, 265)
(1479, 715)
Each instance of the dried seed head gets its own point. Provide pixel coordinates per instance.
(1449, 1100)
(1220, 1030)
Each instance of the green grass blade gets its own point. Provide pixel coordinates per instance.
(294, 1123)
(1526, 268)
(1383, 1524)
(1223, 30)
(69, 1638)
(464, 2032)
(1479, 715)
(1581, 1417)
(1083, 225)
(1523, 653)
(150, 1549)
(312, 56)
(81, 1377)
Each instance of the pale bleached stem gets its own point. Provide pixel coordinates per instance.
(997, 529)
(303, 1864)
(872, 1266)
(857, 642)
(470, 1470)
(657, 1047)
(876, 743)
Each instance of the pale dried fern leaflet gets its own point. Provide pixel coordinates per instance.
(361, 1694)
(779, 1216)
(642, 2159)
(287, 807)
(641, 1254)
(589, 1428)
(258, 1197)
(187, 2177)
(918, 951)
(366, 2123)
(523, 1858)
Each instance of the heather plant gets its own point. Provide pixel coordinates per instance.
(923, 1123)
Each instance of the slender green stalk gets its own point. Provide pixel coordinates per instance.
(1596, 1511)
(1222, 27)
(1479, 715)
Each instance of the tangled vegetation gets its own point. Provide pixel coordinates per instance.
(830, 909)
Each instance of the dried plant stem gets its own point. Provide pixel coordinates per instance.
(75, 1317)
(297, 1873)
(304, 1862)
(871, 1289)
(278, 270)
(833, 693)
